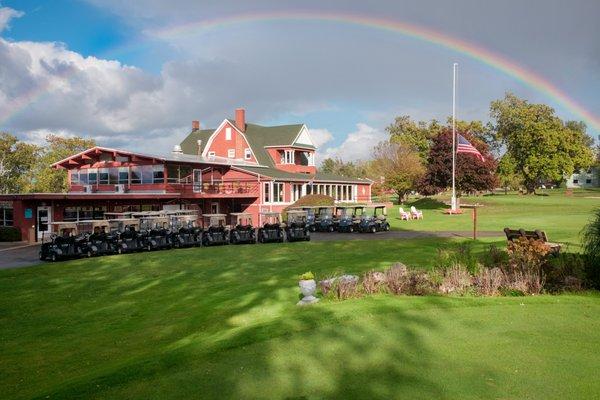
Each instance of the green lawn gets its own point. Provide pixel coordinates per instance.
(222, 323)
(562, 217)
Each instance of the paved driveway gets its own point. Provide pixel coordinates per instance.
(17, 255)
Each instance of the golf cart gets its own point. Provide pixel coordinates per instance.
(374, 219)
(130, 238)
(349, 217)
(158, 232)
(215, 232)
(271, 231)
(310, 216)
(185, 231)
(63, 243)
(243, 231)
(327, 221)
(296, 228)
(98, 239)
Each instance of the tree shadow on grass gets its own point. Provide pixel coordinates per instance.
(215, 324)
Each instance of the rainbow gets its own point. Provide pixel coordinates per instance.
(478, 53)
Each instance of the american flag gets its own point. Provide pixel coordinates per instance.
(464, 146)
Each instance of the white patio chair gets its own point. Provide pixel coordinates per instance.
(416, 213)
(403, 214)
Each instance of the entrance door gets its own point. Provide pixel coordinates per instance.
(214, 207)
(197, 180)
(44, 217)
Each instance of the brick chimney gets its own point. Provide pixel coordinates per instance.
(195, 126)
(240, 119)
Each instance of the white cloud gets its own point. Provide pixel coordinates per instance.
(357, 145)
(320, 136)
(6, 14)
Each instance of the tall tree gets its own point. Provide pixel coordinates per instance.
(415, 135)
(400, 166)
(45, 178)
(507, 176)
(472, 174)
(16, 161)
(337, 166)
(541, 146)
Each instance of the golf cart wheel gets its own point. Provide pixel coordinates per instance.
(351, 229)
(149, 247)
(373, 229)
(119, 250)
(88, 254)
(53, 257)
(387, 227)
(41, 256)
(330, 228)
(313, 228)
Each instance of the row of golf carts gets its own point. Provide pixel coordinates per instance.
(147, 231)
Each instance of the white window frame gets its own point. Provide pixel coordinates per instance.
(267, 191)
(278, 192)
(228, 133)
(247, 154)
(230, 153)
(288, 157)
(212, 154)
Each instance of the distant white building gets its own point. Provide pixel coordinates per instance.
(589, 178)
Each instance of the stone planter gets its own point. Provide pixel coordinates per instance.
(308, 289)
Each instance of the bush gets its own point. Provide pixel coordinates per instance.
(489, 281)
(456, 280)
(567, 271)
(374, 282)
(460, 254)
(9, 234)
(526, 255)
(591, 248)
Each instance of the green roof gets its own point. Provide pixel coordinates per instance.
(260, 137)
(190, 143)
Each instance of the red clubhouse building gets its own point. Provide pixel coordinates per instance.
(236, 167)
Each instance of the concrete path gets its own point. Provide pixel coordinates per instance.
(21, 254)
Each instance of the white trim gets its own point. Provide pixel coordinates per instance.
(304, 128)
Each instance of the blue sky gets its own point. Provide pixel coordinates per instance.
(96, 68)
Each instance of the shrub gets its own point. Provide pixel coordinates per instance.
(456, 280)
(494, 257)
(591, 249)
(9, 234)
(460, 254)
(527, 255)
(489, 281)
(346, 289)
(396, 278)
(566, 271)
(307, 276)
(374, 282)
(420, 284)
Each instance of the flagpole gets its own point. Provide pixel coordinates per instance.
(453, 202)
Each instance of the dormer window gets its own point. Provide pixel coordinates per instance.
(247, 154)
(231, 153)
(227, 133)
(288, 157)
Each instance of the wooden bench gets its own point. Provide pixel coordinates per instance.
(512, 234)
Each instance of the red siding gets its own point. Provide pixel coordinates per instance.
(220, 145)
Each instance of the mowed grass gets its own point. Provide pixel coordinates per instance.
(561, 216)
(222, 323)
